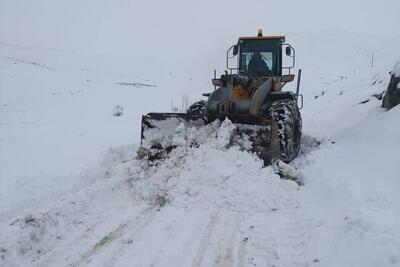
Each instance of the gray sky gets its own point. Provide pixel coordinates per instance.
(153, 27)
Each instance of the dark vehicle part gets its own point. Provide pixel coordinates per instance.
(198, 107)
(286, 114)
(392, 95)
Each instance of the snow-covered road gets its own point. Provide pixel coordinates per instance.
(215, 205)
(225, 211)
(211, 206)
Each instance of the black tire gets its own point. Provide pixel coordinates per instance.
(392, 95)
(286, 114)
(386, 101)
(198, 107)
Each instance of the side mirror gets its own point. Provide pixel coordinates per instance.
(231, 59)
(287, 78)
(289, 61)
(288, 51)
(235, 50)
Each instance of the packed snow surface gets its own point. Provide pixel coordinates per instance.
(73, 191)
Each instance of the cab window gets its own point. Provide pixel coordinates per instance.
(259, 57)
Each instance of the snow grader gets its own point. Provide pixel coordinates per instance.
(249, 94)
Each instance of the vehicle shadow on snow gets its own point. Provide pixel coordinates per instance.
(309, 144)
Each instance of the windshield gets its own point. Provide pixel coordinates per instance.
(259, 57)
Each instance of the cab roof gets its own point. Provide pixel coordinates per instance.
(276, 37)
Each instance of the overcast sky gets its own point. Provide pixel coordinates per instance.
(150, 27)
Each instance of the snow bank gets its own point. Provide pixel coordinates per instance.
(352, 183)
(207, 170)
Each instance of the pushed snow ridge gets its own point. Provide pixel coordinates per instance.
(207, 170)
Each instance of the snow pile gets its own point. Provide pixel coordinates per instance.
(174, 131)
(207, 169)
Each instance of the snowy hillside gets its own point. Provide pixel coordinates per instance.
(206, 206)
(75, 79)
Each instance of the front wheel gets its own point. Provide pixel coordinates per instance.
(287, 115)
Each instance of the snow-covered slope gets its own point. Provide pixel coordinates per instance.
(56, 115)
(73, 192)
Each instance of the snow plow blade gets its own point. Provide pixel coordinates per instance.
(159, 129)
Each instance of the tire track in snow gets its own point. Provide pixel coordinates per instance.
(88, 241)
(230, 243)
(205, 239)
(175, 245)
(124, 234)
(292, 244)
(68, 249)
(172, 239)
(278, 238)
(220, 242)
(152, 241)
(241, 254)
(163, 244)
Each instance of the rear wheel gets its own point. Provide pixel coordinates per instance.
(286, 114)
(198, 107)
